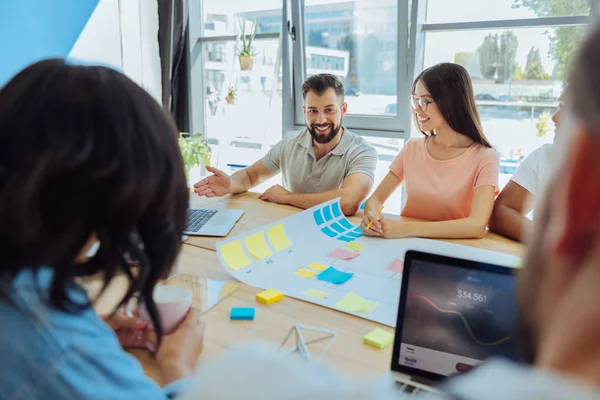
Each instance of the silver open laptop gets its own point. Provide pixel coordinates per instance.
(211, 221)
(452, 315)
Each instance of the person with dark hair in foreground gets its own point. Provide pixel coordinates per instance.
(91, 182)
(321, 163)
(450, 174)
(558, 293)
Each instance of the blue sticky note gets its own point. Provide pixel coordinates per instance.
(362, 205)
(346, 224)
(354, 235)
(318, 217)
(334, 276)
(328, 232)
(242, 313)
(337, 211)
(346, 238)
(327, 213)
(338, 227)
(357, 230)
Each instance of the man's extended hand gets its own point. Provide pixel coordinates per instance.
(216, 185)
(276, 194)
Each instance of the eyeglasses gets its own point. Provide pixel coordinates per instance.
(420, 102)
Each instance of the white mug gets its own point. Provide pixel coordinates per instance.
(172, 304)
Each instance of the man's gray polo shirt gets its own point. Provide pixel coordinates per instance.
(294, 157)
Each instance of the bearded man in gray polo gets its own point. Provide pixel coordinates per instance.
(323, 162)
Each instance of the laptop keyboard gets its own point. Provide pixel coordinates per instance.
(198, 217)
(413, 391)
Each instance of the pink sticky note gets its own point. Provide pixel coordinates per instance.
(396, 266)
(342, 254)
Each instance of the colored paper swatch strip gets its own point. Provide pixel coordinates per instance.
(327, 213)
(257, 246)
(318, 217)
(234, 255)
(316, 294)
(278, 238)
(396, 266)
(337, 227)
(346, 224)
(337, 211)
(328, 232)
(342, 254)
(335, 276)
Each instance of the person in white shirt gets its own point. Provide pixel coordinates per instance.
(515, 202)
(558, 294)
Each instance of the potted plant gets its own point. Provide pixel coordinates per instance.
(194, 150)
(246, 56)
(231, 96)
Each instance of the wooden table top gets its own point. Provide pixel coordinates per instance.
(272, 323)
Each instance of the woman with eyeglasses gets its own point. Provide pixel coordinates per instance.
(91, 182)
(450, 173)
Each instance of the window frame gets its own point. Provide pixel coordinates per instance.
(367, 125)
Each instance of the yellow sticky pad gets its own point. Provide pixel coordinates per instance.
(351, 302)
(257, 246)
(353, 246)
(278, 238)
(316, 294)
(269, 296)
(234, 256)
(317, 266)
(370, 305)
(379, 338)
(519, 263)
(306, 273)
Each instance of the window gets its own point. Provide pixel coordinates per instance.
(518, 53)
(518, 68)
(358, 41)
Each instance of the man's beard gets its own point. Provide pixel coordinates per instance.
(324, 139)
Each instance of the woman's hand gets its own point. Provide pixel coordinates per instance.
(179, 351)
(375, 222)
(132, 332)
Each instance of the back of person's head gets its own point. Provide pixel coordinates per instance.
(320, 83)
(85, 151)
(559, 292)
(452, 90)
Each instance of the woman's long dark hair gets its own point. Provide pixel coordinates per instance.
(450, 86)
(84, 150)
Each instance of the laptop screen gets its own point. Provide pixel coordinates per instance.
(453, 315)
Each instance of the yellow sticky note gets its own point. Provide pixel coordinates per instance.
(306, 273)
(278, 238)
(316, 294)
(234, 255)
(351, 302)
(519, 263)
(257, 246)
(353, 246)
(317, 266)
(269, 296)
(379, 338)
(370, 305)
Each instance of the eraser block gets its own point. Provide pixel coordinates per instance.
(379, 338)
(242, 313)
(269, 296)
